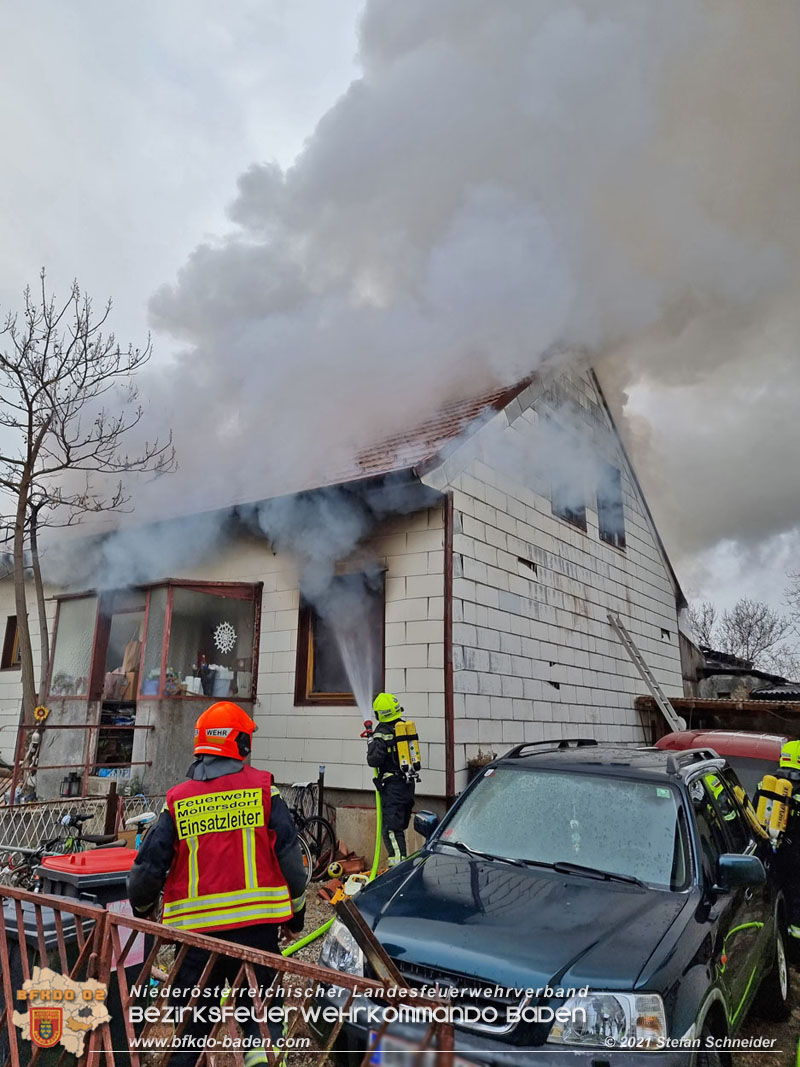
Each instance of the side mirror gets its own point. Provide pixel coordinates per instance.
(425, 822)
(734, 870)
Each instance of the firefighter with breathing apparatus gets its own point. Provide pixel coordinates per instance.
(224, 851)
(393, 751)
(779, 813)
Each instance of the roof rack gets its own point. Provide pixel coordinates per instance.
(677, 761)
(565, 743)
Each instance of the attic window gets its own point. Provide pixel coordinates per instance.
(610, 509)
(343, 627)
(567, 496)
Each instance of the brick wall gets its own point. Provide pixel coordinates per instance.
(534, 655)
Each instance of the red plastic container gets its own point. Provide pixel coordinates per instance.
(96, 861)
(99, 873)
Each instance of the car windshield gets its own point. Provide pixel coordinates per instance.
(623, 827)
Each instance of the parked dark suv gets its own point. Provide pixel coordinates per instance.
(625, 885)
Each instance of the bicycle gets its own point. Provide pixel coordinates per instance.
(141, 824)
(316, 835)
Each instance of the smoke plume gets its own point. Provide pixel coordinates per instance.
(503, 182)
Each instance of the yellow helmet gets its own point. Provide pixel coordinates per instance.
(790, 755)
(387, 707)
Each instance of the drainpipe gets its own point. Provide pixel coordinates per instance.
(449, 717)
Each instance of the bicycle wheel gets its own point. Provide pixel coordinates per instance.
(308, 861)
(321, 840)
(305, 800)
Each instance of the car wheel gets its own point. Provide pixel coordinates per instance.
(774, 997)
(709, 1057)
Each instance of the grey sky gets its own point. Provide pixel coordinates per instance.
(129, 126)
(126, 125)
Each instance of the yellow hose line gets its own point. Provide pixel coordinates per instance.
(297, 945)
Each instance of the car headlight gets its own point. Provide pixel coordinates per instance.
(340, 951)
(611, 1020)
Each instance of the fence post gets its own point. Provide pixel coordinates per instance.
(321, 792)
(110, 826)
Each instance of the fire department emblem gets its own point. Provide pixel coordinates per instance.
(46, 1025)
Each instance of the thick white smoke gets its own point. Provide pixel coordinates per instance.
(504, 184)
(503, 179)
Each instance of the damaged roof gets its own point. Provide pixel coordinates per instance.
(419, 445)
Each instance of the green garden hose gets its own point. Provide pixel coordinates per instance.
(297, 945)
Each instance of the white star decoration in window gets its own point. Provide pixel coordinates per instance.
(224, 637)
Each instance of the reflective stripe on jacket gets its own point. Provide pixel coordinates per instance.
(225, 872)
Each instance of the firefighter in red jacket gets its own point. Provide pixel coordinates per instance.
(225, 853)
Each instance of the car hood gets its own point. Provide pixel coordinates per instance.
(517, 927)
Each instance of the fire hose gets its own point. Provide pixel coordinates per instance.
(307, 940)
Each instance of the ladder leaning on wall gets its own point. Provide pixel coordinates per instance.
(674, 721)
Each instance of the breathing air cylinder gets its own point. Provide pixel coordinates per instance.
(403, 755)
(764, 810)
(412, 737)
(779, 816)
(408, 748)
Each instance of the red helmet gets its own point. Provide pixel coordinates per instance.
(217, 730)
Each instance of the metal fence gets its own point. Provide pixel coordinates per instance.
(28, 825)
(129, 807)
(83, 942)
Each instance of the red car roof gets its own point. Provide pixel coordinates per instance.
(728, 743)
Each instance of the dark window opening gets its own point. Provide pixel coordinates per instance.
(555, 685)
(567, 494)
(340, 645)
(12, 656)
(665, 634)
(610, 508)
(531, 566)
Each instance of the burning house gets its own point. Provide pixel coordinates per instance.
(468, 565)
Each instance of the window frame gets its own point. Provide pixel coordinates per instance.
(54, 644)
(251, 591)
(304, 697)
(620, 540)
(247, 591)
(719, 837)
(738, 820)
(11, 655)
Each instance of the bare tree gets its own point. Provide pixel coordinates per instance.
(703, 618)
(751, 631)
(67, 401)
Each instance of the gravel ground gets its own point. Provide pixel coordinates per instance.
(786, 1035)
